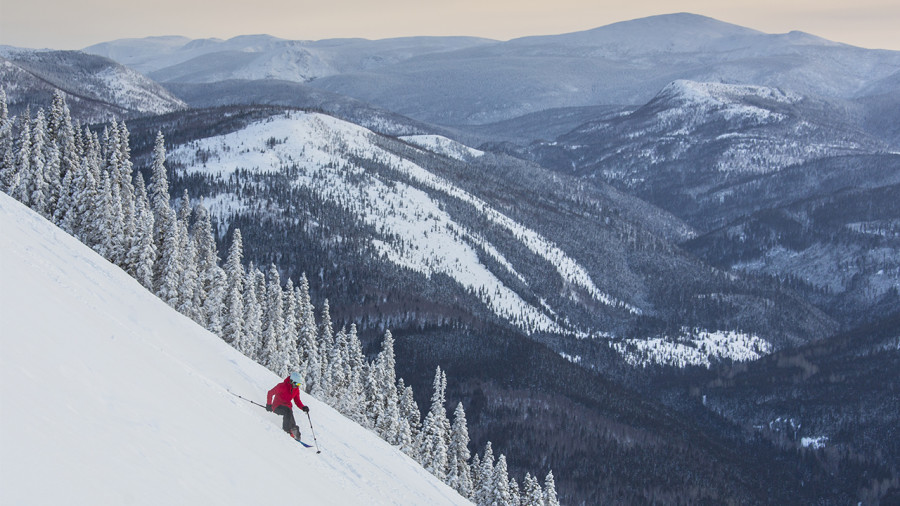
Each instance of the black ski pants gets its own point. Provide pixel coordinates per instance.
(287, 423)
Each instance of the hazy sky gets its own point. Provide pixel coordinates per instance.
(74, 24)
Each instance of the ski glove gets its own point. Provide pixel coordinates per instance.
(268, 407)
(306, 409)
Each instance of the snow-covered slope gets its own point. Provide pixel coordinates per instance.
(96, 88)
(110, 397)
(406, 205)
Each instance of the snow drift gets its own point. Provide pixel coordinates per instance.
(111, 397)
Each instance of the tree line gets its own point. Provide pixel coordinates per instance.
(84, 181)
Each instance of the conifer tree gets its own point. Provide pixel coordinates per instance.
(385, 376)
(484, 494)
(435, 431)
(126, 188)
(7, 154)
(52, 181)
(273, 321)
(532, 495)
(18, 184)
(8, 172)
(458, 475)
(289, 335)
(475, 477)
(252, 342)
(409, 411)
(550, 498)
(115, 223)
(167, 268)
(234, 302)
(208, 275)
(36, 183)
(325, 344)
(310, 361)
(501, 490)
(337, 366)
(405, 439)
(101, 235)
(142, 253)
(515, 494)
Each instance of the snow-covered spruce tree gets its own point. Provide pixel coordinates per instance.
(550, 498)
(18, 187)
(501, 493)
(310, 360)
(121, 159)
(409, 411)
(167, 268)
(253, 315)
(484, 478)
(289, 335)
(435, 435)
(336, 367)
(142, 253)
(357, 370)
(325, 338)
(458, 473)
(188, 287)
(36, 184)
(387, 412)
(8, 173)
(273, 325)
(532, 495)
(233, 331)
(515, 494)
(101, 235)
(209, 279)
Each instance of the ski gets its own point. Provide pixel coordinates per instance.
(304, 444)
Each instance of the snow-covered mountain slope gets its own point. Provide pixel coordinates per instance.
(408, 237)
(415, 231)
(250, 57)
(714, 127)
(97, 89)
(111, 397)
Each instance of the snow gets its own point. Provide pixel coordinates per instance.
(110, 397)
(816, 443)
(424, 237)
(443, 146)
(693, 348)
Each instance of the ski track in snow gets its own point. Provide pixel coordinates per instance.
(430, 241)
(118, 399)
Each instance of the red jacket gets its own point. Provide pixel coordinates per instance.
(283, 393)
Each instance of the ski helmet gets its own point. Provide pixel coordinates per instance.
(295, 378)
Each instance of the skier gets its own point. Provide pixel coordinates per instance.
(279, 401)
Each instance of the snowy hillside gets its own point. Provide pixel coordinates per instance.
(98, 89)
(114, 398)
(724, 128)
(406, 205)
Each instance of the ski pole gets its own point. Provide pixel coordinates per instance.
(248, 400)
(313, 433)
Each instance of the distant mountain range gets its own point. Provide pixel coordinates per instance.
(473, 81)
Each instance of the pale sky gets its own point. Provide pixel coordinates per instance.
(75, 24)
